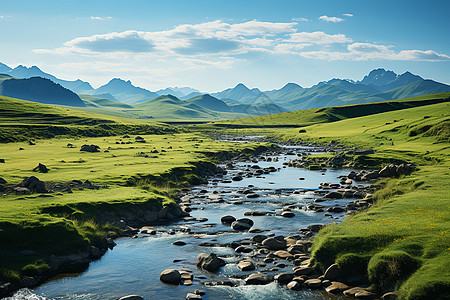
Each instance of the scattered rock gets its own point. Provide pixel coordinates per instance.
(227, 219)
(131, 297)
(294, 285)
(191, 296)
(41, 168)
(246, 265)
(313, 283)
(332, 272)
(274, 244)
(33, 184)
(170, 276)
(287, 214)
(336, 287)
(283, 278)
(179, 243)
(258, 279)
(303, 271)
(90, 148)
(209, 262)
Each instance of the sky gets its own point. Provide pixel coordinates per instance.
(213, 45)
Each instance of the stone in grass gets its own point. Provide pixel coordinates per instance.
(170, 276)
(41, 168)
(90, 148)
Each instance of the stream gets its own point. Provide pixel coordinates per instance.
(134, 265)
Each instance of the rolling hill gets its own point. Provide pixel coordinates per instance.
(332, 114)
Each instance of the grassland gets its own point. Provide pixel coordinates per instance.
(22, 120)
(402, 242)
(137, 175)
(331, 114)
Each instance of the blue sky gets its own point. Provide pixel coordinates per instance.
(213, 45)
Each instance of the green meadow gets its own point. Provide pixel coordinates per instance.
(400, 243)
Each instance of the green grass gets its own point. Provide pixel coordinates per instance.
(332, 114)
(69, 222)
(402, 242)
(22, 120)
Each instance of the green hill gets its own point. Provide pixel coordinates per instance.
(401, 243)
(332, 114)
(98, 102)
(24, 120)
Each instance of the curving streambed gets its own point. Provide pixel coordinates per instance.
(133, 267)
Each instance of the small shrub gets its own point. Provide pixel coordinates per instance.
(38, 268)
(387, 269)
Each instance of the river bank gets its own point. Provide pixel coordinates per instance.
(245, 202)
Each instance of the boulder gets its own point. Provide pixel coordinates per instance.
(313, 283)
(283, 254)
(303, 271)
(332, 272)
(283, 278)
(237, 178)
(179, 243)
(242, 224)
(274, 244)
(256, 230)
(258, 279)
(336, 287)
(3, 181)
(170, 276)
(246, 265)
(227, 219)
(294, 285)
(333, 195)
(33, 184)
(192, 296)
(287, 214)
(258, 238)
(209, 262)
(22, 190)
(41, 168)
(90, 148)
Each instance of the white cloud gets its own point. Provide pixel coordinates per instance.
(330, 19)
(219, 44)
(367, 51)
(318, 37)
(300, 19)
(100, 18)
(348, 15)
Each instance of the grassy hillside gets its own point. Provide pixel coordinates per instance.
(22, 120)
(98, 102)
(402, 242)
(332, 114)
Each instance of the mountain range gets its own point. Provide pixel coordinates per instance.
(119, 96)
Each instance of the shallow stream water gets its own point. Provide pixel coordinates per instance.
(134, 265)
